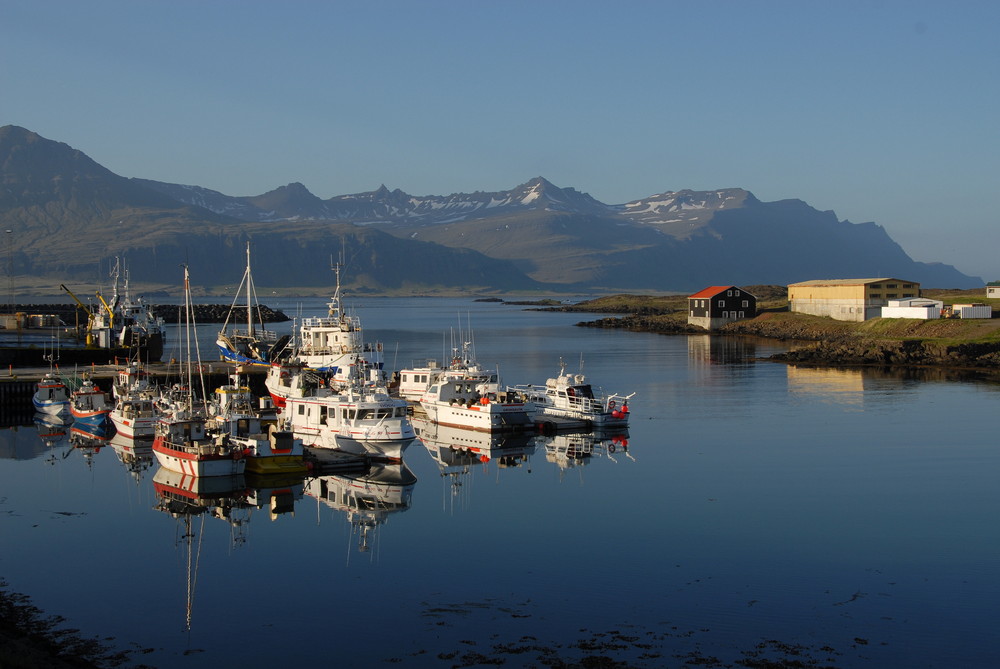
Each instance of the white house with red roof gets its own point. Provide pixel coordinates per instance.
(713, 307)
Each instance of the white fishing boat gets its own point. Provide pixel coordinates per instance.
(569, 402)
(361, 418)
(51, 395)
(334, 343)
(461, 403)
(132, 380)
(292, 379)
(183, 443)
(417, 380)
(89, 404)
(256, 345)
(134, 417)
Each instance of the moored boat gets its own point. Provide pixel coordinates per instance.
(361, 418)
(570, 402)
(51, 395)
(334, 343)
(89, 404)
(133, 416)
(460, 403)
(256, 345)
(417, 380)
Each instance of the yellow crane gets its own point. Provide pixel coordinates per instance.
(86, 310)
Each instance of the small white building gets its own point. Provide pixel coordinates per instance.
(913, 307)
(972, 310)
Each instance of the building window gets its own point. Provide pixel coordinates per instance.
(742, 315)
(736, 293)
(892, 285)
(876, 295)
(729, 293)
(891, 296)
(722, 303)
(907, 285)
(746, 303)
(876, 285)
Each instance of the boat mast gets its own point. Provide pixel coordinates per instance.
(249, 303)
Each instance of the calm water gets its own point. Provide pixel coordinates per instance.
(849, 516)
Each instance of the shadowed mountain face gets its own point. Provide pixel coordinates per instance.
(69, 215)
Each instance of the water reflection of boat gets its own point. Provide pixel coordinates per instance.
(367, 499)
(53, 429)
(183, 497)
(276, 492)
(136, 455)
(88, 439)
(452, 446)
(573, 449)
(457, 451)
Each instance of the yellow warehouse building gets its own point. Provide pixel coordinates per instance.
(848, 299)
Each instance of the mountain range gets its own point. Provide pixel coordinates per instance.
(69, 216)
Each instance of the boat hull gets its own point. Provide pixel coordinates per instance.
(492, 417)
(197, 464)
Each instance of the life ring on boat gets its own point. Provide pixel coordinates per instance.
(611, 405)
(611, 448)
(284, 374)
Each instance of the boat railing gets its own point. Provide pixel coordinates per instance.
(260, 334)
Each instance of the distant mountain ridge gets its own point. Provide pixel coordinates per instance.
(71, 215)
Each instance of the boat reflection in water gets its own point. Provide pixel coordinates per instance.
(184, 497)
(275, 492)
(53, 429)
(457, 450)
(367, 499)
(136, 455)
(88, 438)
(573, 449)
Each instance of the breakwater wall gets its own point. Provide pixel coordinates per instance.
(72, 315)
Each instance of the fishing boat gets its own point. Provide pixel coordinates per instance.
(568, 401)
(182, 440)
(132, 380)
(133, 417)
(126, 324)
(268, 449)
(51, 395)
(361, 418)
(417, 380)
(256, 345)
(334, 343)
(89, 404)
(461, 403)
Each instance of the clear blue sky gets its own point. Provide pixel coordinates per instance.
(882, 111)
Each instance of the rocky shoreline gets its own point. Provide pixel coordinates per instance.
(831, 343)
